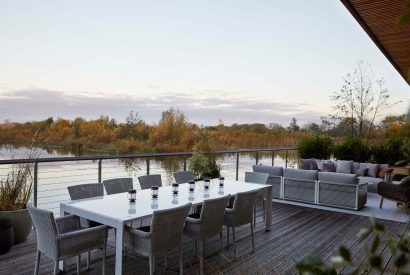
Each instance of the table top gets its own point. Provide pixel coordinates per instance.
(110, 209)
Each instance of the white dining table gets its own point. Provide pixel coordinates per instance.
(116, 210)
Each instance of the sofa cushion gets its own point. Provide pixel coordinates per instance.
(271, 170)
(329, 167)
(300, 174)
(344, 166)
(338, 177)
(304, 164)
(355, 167)
(383, 171)
(371, 183)
(373, 168)
(313, 165)
(361, 172)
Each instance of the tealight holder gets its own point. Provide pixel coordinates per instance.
(154, 204)
(154, 192)
(175, 188)
(221, 181)
(191, 196)
(132, 208)
(206, 194)
(174, 199)
(207, 183)
(191, 184)
(132, 195)
(221, 190)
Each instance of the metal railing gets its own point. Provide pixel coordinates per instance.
(144, 156)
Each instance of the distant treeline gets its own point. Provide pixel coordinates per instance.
(175, 133)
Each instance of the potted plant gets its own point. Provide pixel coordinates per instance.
(6, 235)
(15, 192)
(203, 166)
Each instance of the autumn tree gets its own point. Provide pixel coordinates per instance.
(362, 99)
(293, 125)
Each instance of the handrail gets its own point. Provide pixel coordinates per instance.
(140, 155)
(146, 156)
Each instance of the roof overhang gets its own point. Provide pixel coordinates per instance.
(378, 19)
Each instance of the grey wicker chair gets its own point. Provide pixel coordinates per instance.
(183, 177)
(148, 181)
(119, 185)
(257, 177)
(64, 237)
(164, 234)
(241, 213)
(206, 224)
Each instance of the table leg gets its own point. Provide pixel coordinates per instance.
(268, 211)
(62, 264)
(118, 248)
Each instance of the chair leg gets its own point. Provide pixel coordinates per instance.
(181, 262)
(254, 216)
(78, 264)
(88, 259)
(227, 236)
(104, 255)
(381, 202)
(55, 268)
(221, 240)
(253, 241)
(194, 247)
(201, 256)
(264, 209)
(151, 264)
(37, 262)
(234, 243)
(166, 260)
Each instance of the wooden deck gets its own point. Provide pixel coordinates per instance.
(296, 232)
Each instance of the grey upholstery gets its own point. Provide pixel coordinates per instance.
(148, 181)
(355, 167)
(118, 185)
(275, 177)
(207, 224)
(373, 169)
(372, 183)
(344, 166)
(183, 177)
(64, 237)
(299, 184)
(241, 213)
(341, 190)
(164, 234)
(85, 191)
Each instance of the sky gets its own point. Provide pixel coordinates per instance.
(239, 61)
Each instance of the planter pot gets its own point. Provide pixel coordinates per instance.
(6, 239)
(21, 222)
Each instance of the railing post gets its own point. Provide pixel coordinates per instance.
(184, 163)
(147, 166)
(273, 158)
(237, 166)
(35, 183)
(257, 157)
(99, 170)
(286, 159)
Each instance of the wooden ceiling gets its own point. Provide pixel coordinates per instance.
(378, 19)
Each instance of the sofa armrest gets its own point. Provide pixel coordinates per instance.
(342, 184)
(301, 180)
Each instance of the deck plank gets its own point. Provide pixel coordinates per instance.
(296, 232)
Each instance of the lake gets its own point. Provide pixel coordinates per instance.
(55, 177)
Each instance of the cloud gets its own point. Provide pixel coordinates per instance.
(35, 104)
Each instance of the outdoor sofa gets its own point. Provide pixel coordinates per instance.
(315, 187)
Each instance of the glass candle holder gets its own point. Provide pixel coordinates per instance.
(207, 183)
(154, 192)
(191, 196)
(191, 184)
(154, 204)
(175, 188)
(174, 200)
(132, 195)
(221, 181)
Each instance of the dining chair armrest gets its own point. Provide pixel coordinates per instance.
(68, 223)
(229, 210)
(84, 233)
(193, 220)
(138, 233)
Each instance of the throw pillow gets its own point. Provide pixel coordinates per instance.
(383, 171)
(373, 169)
(304, 164)
(361, 172)
(344, 166)
(313, 165)
(329, 167)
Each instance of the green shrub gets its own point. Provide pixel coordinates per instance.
(203, 166)
(389, 152)
(352, 149)
(315, 146)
